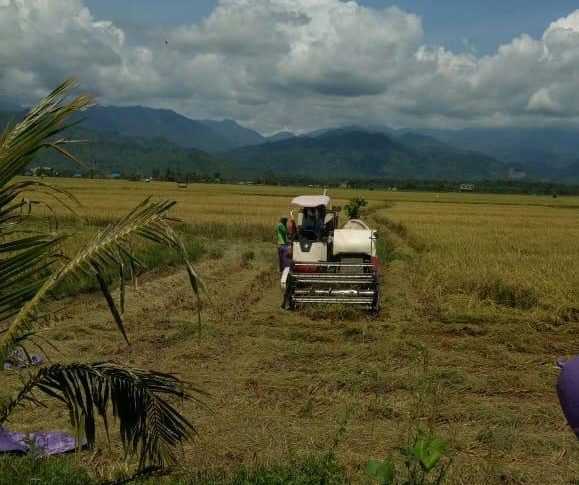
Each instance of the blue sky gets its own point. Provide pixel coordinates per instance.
(483, 24)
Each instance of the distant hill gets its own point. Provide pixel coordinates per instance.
(552, 147)
(148, 123)
(7, 104)
(282, 135)
(234, 133)
(9, 116)
(367, 128)
(110, 152)
(541, 153)
(536, 149)
(570, 172)
(350, 153)
(421, 142)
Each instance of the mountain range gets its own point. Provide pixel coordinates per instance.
(138, 121)
(139, 139)
(540, 153)
(349, 153)
(538, 148)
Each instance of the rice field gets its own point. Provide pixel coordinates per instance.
(518, 257)
(480, 295)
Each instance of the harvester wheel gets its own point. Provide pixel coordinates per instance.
(288, 303)
(376, 301)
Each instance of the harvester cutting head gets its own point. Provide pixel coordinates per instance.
(330, 265)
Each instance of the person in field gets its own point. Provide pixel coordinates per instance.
(283, 243)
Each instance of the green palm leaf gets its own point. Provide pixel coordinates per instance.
(19, 143)
(149, 220)
(26, 260)
(150, 425)
(23, 270)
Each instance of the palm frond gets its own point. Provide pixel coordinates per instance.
(24, 269)
(149, 220)
(11, 206)
(150, 426)
(26, 261)
(19, 143)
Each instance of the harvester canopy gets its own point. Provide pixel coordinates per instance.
(311, 200)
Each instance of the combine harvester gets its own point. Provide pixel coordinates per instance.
(330, 265)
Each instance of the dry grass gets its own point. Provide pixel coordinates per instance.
(517, 257)
(480, 296)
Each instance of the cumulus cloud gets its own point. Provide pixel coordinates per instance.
(40, 40)
(292, 63)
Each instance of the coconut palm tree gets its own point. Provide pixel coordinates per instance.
(142, 401)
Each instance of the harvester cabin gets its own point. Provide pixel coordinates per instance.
(315, 221)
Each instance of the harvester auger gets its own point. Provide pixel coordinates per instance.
(330, 265)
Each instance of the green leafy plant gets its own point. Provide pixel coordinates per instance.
(382, 470)
(354, 206)
(423, 456)
(422, 463)
(31, 269)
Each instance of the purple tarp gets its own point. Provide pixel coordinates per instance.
(19, 360)
(568, 390)
(10, 444)
(47, 442)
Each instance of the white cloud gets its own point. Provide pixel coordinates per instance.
(42, 41)
(292, 63)
(542, 102)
